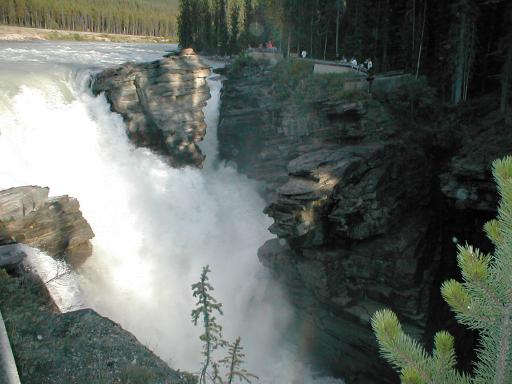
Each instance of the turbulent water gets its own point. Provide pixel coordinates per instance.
(155, 226)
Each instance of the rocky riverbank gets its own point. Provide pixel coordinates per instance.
(368, 196)
(161, 103)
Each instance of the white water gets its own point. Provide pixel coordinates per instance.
(155, 226)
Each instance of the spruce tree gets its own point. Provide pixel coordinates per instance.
(207, 35)
(248, 16)
(482, 302)
(235, 29)
(185, 24)
(223, 32)
(206, 307)
(234, 361)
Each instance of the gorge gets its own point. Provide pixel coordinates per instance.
(365, 204)
(155, 226)
(368, 203)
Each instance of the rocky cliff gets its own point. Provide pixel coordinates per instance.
(161, 103)
(52, 224)
(367, 204)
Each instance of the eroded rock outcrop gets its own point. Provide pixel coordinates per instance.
(161, 103)
(366, 212)
(52, 224)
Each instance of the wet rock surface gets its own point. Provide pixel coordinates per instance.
(366, 210)
(161, 103)
(52, 224)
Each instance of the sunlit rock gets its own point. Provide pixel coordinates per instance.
(161, 103)
(52, 224)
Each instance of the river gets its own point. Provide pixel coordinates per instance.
(155, 226)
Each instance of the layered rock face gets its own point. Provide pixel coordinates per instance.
(52, 224)
(365, 210)
(161, 103)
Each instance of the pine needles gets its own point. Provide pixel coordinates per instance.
(482, 301)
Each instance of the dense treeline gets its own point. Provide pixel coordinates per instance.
(216, 26)
(463, 46)
(135, 17)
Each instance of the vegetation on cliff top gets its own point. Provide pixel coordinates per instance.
(482, 302)
(464, 47)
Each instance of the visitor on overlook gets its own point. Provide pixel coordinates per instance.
(304, 54)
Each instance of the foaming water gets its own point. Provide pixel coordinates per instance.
(156, 227)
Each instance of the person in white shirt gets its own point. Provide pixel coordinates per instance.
(304, 54)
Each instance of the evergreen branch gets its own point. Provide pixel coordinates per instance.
(483, 302)
(504, 347)
(399, 349)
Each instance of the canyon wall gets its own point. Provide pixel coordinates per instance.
(367, 209)
(161, 103)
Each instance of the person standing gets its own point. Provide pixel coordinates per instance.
(304, 54)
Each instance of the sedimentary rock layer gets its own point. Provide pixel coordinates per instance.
(367, 211)
(52, 224)
(161, 103)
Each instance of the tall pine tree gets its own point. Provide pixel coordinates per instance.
(185, 31)
(234, 22)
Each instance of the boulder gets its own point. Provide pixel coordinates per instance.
(10, 255)
(52, 224)
(161, 103)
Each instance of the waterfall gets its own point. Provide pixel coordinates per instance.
(155, 226)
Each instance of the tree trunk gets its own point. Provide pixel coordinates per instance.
(506, 76)
(459, 68)
(289, 41)
(421, 39)
(414, 26)
(385, 38)
(311, 31)
(325, 44)
(337, 28)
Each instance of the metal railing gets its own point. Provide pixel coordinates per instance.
(8, 370)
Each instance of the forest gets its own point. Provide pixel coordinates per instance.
(134, 17)
(464, 47)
